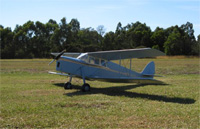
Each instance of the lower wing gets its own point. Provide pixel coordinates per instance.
(63, 74)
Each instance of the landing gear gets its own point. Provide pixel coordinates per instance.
(86, 87)
(67, 85)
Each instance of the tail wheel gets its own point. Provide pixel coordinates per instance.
(86, 87)
(68, 85)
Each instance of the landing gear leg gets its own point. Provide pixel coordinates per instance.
(68, 84)
(85, 87)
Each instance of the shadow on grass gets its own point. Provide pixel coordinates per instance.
(121, 91)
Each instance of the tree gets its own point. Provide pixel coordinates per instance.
(188, 38)
(119, 28)
(38, 40)
(158, 38)
(42, 41)
(6, 40)
(52, 22)
(188, 29)
(22, 40)
(88, 36)
(108, 41)
(172, 45)
(74, 27)
(64, 30)
(139, 35)
(196, 47)
(119, 38)
(101, 30)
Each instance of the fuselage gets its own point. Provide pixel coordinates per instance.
(101, 70)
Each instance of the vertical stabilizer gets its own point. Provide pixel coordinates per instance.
(149, 70)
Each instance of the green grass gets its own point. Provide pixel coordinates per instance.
(31, 98)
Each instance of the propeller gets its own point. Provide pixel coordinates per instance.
(58, 56)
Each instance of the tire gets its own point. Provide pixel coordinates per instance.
(67, 85)
(86, 87)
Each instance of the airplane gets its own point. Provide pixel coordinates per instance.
(100, 66)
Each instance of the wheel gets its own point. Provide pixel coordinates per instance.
(85, 87)
(67, 85)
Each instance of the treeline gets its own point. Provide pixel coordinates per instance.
(38, 40)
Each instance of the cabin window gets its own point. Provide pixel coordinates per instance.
(103, 63)
(96, 61)
(58, 64)
(91, 60)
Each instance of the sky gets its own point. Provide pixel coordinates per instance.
(92, 13)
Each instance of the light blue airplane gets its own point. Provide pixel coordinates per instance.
(98, 66)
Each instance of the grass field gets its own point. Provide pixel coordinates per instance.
(31, 98)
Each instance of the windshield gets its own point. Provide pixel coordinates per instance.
(83, 57)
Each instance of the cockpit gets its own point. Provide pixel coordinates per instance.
(92, 60)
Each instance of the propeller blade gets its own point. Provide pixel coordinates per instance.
(52, 61)
(58, 56)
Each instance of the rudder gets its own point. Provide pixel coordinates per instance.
(149, 70)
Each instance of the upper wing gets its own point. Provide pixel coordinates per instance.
(75, 55)
(127, 54)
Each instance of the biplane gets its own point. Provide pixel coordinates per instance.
(101, 66)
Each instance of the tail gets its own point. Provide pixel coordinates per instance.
(149, 70)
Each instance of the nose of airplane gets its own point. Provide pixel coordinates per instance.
(58, 56)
